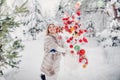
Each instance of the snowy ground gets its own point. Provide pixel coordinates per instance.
(103, 63)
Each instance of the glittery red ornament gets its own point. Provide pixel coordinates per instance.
(76, 23)
(79, 34)
(71, 46)
(69, 31)
(85, 30)
(83, 58)
(80, 60)
(80, 40)
(85, 40)
(78, 12)
(65, 18)
(86, 61)
(69, 22)
(72, 52)
(80, 31)
(75, 27)
(68, 41)
(65, 23)
(66, 27)
(71, 38)
(81, 52)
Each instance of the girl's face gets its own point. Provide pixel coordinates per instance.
(52, 29)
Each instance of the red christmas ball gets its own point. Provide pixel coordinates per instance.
(69, 22)
(66, 26)
(80, 60)
(78, 12)
(71, 38)
(72, 52)
(71, 46)
(68, 41)
(69, 31)
(65, 23)
(65, 18)
(80, 40)
(76, 23)
(75, 27)
(79, 34)
(85, 30)
(80, 31)
(82, 52)
(86, 61)
(85, 40)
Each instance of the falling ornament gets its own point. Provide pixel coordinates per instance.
(81, 52)
(75, 27)
(65, 23)
(79, 18)
(72, 52)
(71, 46)
(78, 12)
(77, 47)
(68, 41)
(80, 40)
(85, 30)
(66, 18)
(85, 40)
(69, 30)
(80, 31)
(69, 22)
(71, 38)
(72, 29)
(84, 60)
(84, 66)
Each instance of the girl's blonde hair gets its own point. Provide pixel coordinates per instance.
(47, 33)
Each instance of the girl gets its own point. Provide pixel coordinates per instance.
(53, 48)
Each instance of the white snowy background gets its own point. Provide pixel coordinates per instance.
(104, 63)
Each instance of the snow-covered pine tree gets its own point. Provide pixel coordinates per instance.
(115, 31)
(110, 36)
(34, 20)
(9, 47)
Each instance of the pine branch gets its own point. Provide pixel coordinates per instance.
(9, 48)
(2, 2)
(22, 8)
